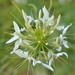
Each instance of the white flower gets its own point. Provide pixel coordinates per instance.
(62, 37)
(62, 41)
(45, 65)
(59, 48)
(28, 19)
(50, 61)
(15, 36)
(34, 61)
(21, 54)
(50, 21)
(60, 54)
(30, 58)
(16, 46)
(65, 29)
(40, 40)
(16, 27)
(65, 43)
(50, 57)
(22, 29)
(46, 20)
(48, 67)
(46, 13)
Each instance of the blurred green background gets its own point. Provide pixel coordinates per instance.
(8, 62)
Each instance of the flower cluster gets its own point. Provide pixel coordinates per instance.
(38, 41)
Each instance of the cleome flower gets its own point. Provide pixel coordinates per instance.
(16, 37)
(36, 42)
(62, 37)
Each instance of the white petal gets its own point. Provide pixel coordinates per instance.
(51, 20)
(21, 53)
(30, 58)
(49, 55)
(17, 44)
(65, 44)
(35, 62)
(60, 54)
(16, 27)
(48, 67)
(25, 54)
(61, 38)
(60, 27)
(45, 12)
(30, 19)
(50, 61)
(22, 29)
(12, 39)
(59, 48)
(64, 31)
